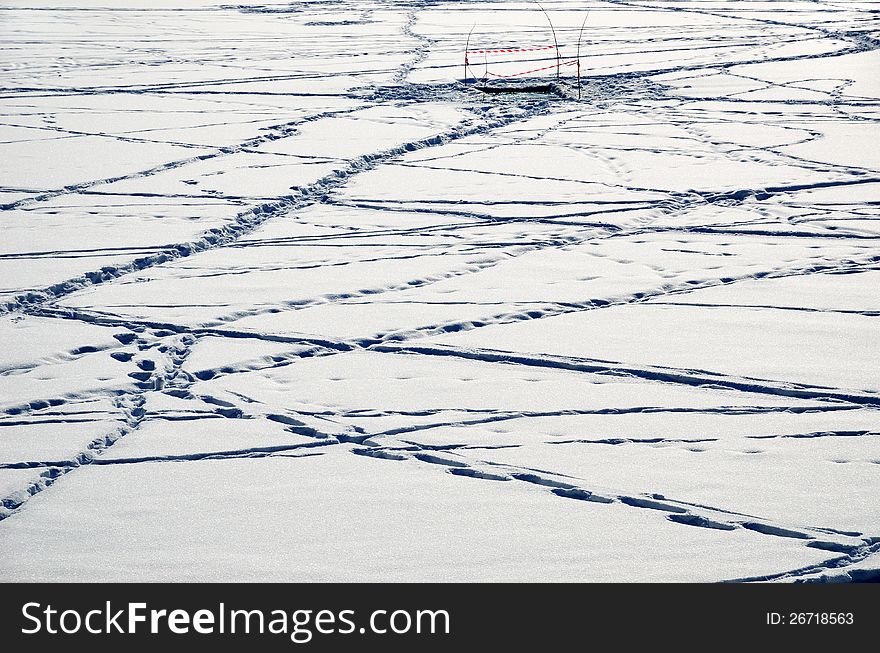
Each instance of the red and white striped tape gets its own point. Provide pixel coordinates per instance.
(550, 47)
(534, 70)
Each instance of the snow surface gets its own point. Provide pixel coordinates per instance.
(281, 299)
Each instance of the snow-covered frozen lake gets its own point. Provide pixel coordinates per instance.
(282, 299)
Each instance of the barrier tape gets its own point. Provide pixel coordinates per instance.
(534, 70)
(550, 47)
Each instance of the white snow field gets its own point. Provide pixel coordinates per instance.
(281, 298)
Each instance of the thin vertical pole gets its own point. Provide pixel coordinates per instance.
(467, 47)
(555, 42)
(580, 34)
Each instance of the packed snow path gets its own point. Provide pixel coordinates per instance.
(280, 299)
